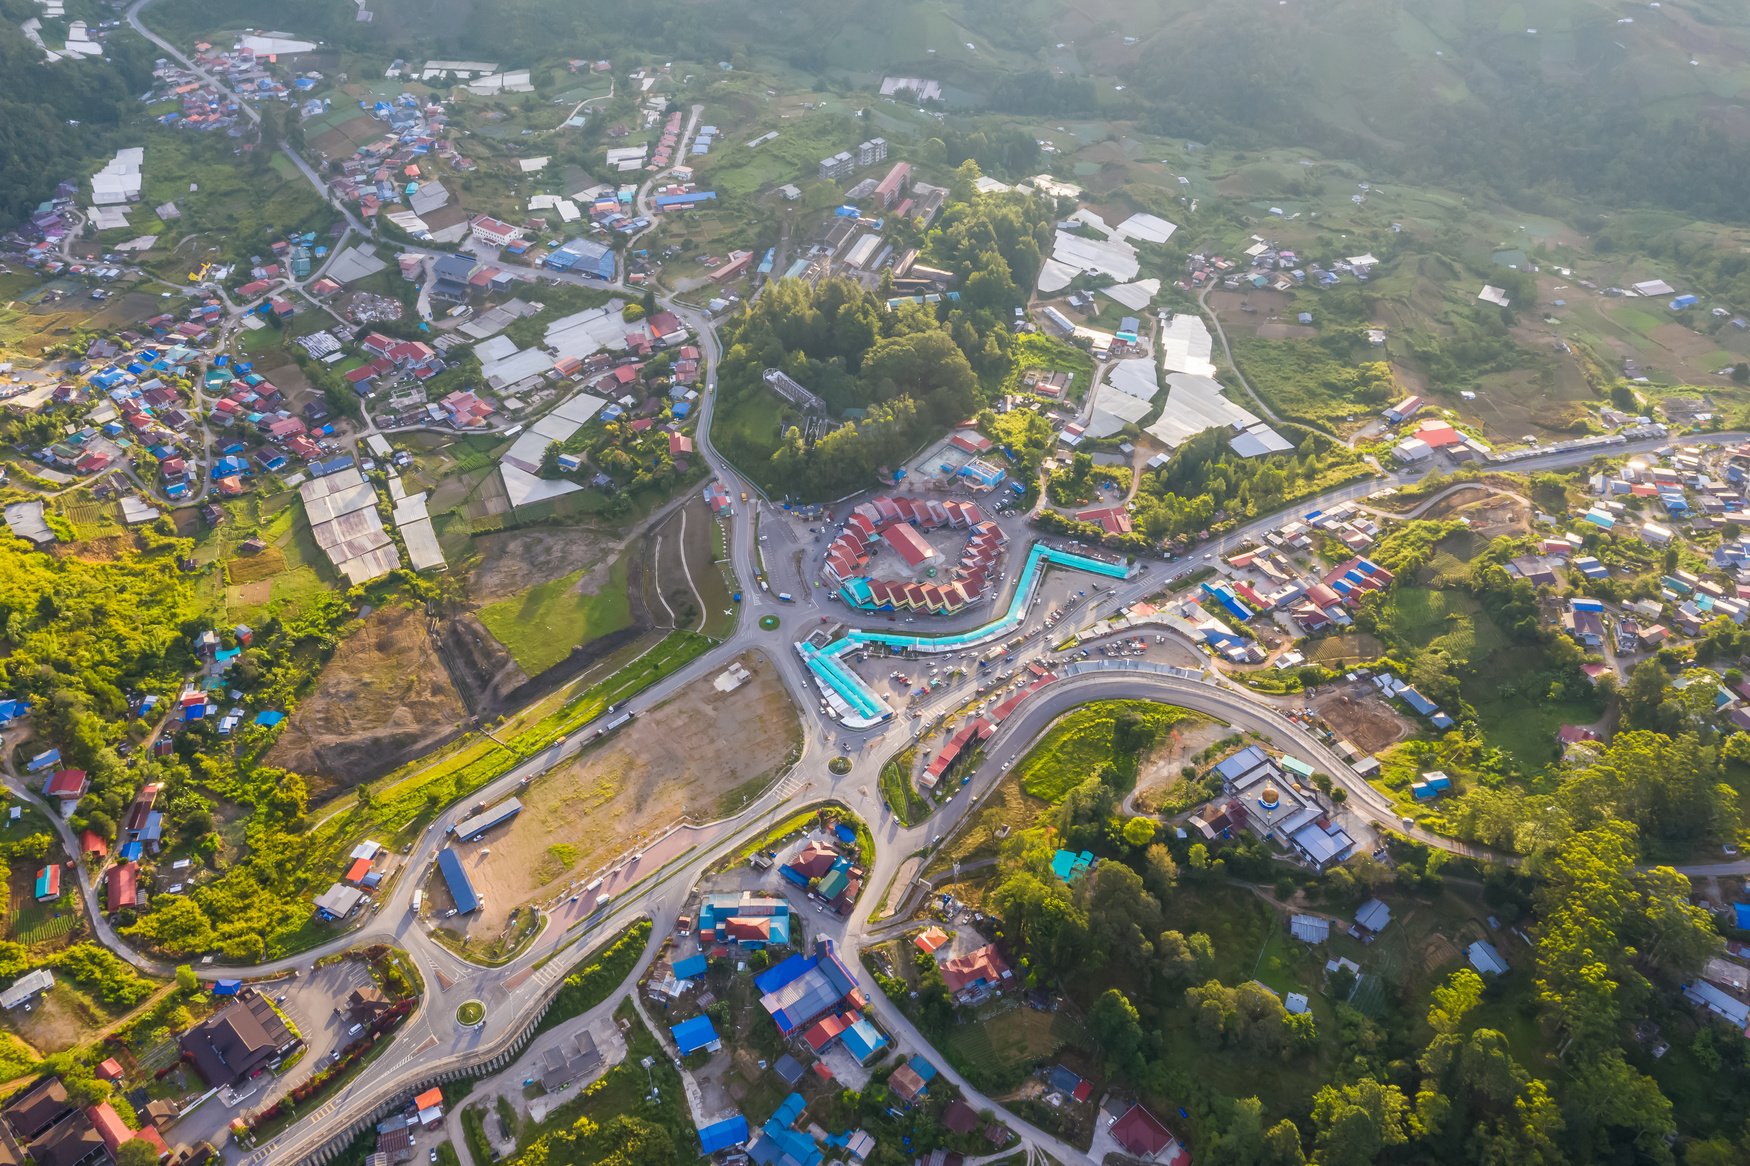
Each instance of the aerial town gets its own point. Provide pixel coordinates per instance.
(959, 585)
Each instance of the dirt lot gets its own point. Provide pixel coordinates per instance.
(1490, 514)
(384, 698)
(55, 1023)
(1165, 765)
(686, 757)
(515, 560)
(1366, 722)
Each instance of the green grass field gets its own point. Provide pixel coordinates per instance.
(541, 626)
(897, 790)
(1001, 1048)
(1080, 745)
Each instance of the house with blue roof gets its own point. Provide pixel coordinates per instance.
(863, 1040)
(691, 968)
(800, 989)
(1417, 701)
(1236, 766)
(721, 1135)
(1230, 603)
(779, 1144)
(696, 1034)
(745, 920)
(1067, 864)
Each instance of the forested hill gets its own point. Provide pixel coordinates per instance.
(39, 102)
(1623, 104)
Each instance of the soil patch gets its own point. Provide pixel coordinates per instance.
(1367, 723)
(1164, 767)
(55, 1024)
(384, 699)
(482, 671)
(1489, 513)
(691, 756)
(512, 561)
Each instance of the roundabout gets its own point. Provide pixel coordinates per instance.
(471, 1014)
(839, 766)
(768, 623)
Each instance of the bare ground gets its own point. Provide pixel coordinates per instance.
(686, 757)
(515, 560)
(1367, 723)
(1490, 514)
(384, 699)
(54, 1024)
(1165, 765)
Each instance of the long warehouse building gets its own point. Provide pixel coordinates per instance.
(471, 828)
(462, 890)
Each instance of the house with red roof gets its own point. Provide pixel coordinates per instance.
(1114, 520)
(976, 975)
(69, 785)
(1141, 1134)
(1438, 434)
(679, 445)
(122, 885)
(109, 1125)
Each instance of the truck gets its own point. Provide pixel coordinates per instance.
(617, 722)
(418, 901)
(786, 597)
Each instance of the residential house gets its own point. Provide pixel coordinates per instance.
(1143, 1136)
(746, 920)
(238, 1041)
(976, 975)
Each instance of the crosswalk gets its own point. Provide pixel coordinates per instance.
(792, 782)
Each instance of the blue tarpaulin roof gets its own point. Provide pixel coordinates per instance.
(844, 833)
(789, 1110)
(690, 968)
(269, 719)
(773, 978)
(720, 1135)
(1743, 910)
(695, 1034)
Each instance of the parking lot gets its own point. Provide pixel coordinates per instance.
(310, 1001)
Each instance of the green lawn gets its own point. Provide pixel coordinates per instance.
(1080, 744)
(897, 790)
(541, 626)
(999, 1049)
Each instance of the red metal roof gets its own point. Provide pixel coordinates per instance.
(911, 545)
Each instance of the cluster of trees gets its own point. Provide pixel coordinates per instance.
(87, 635)
(55, 116)
(1432, 1086)
(909, 373)
(1587, 131)
(1206, 483)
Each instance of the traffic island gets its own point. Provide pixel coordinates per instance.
(472, 1014)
